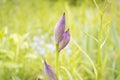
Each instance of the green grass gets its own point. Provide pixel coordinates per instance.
(27, 35)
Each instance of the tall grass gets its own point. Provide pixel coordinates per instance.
(26, 35)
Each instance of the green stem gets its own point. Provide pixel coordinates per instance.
(17, 49)
(99, 48)
(57, 60)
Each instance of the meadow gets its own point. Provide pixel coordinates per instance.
(27, 37)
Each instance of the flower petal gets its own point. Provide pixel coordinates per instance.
(65, 40)
(49, 71)
(59, 28)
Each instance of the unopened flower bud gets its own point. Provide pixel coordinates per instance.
(49, 71)
(65, 40)
(59, 29)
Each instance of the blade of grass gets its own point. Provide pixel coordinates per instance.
(78, 74)
(95, 70)
(97, 6)
(89, 35)
(68, 73)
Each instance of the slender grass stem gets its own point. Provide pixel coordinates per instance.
(57, 60)
(99, 42)
(99, 47)
(87, 56)
(97, 6)
(17, 49)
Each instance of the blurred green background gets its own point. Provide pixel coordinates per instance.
(27, 35)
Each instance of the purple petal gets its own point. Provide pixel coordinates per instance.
(65, 40)
(49, 71)
(59, 29)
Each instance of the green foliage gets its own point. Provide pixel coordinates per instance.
(26, 36)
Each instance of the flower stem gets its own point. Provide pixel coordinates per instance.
(57, 60)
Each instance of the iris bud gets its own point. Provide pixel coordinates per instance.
(49, 71)
(59, 29)
(65, 40)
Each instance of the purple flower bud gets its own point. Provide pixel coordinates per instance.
(59, 29)
(65, 40)
(49, 71)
